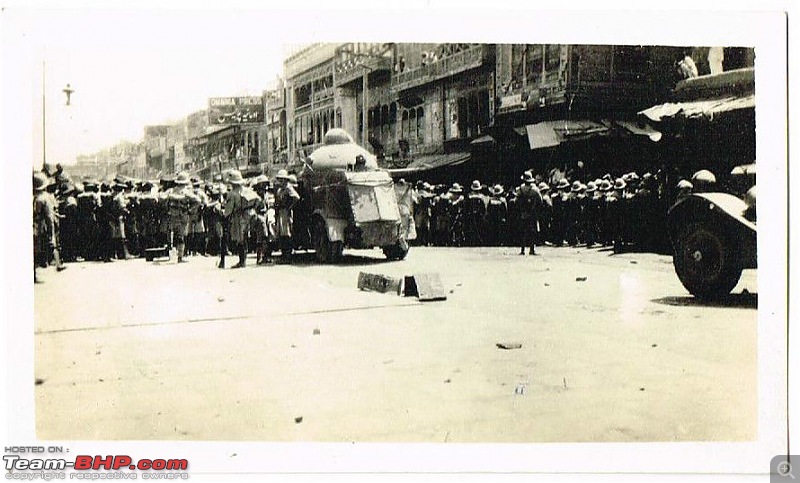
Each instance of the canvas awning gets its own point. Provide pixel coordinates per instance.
(552, 133)
(433, 161)
(640, 129)
(707, 108)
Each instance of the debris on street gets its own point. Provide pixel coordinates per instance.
(509, 345)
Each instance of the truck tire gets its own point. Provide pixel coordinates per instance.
(398, 251)
(707, 261)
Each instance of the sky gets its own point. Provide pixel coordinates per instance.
(130, 69)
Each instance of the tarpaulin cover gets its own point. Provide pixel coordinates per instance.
(706, 108)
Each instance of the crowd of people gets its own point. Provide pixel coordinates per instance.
(124, 218)
(623, 213)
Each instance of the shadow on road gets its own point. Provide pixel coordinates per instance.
(305, 259)
(734, 300)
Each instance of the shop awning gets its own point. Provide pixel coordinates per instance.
(707, 108)
(485, 141)
(552, 133)
(640, 129)
(432, 161)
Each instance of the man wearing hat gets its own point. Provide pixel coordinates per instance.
(236, 211)
(181, 202)
(559, 221)
(703, 181)
(529, 203)
(259, 226)
(546, 215)
(44, 226)
(614, 201)
(286, 197)
(592, 214)
(117, 213)
(455, 215)
(475, 215)
(497, 214)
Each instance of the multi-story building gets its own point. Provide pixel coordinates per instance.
(274, 147)
(310, 99)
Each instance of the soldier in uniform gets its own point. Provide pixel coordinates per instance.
(455, 215)
(613, 202)
(44, 226)
(475, 215)
(286, 197)
(559, 222)
(105, 222)
(591, 213)
(546, 215)
(117, 213)
(529, 203)
(258, 223)
(422, 213)
(439, 222)
(147, 214)
(181, 201)
(88, 227)
(68, 227)
(197, 226)
(497, 214)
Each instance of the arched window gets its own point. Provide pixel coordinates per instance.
(393, 113)
(384, 120)
(412, 125)
(420, 127)
(404, 125)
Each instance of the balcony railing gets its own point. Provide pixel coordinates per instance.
(349, 70)
(444, 67)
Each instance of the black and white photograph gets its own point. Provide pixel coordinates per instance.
(434, 240)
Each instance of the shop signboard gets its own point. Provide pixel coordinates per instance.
(236, 110)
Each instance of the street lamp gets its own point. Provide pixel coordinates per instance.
(68, 92)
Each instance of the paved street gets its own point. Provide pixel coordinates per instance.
(138, 351)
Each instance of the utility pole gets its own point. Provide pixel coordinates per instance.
(364, 108)
(44, 117)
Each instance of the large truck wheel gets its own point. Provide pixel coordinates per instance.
(707, 261)
(398, 251)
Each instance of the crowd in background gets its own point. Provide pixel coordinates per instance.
(124, 218)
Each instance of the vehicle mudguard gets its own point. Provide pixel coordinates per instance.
(721, 210)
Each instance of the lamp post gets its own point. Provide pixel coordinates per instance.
(68, 92)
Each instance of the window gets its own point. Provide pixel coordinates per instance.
(412, 125)
(534, 63)
(420, 128)
(552, 58)
(404, 124)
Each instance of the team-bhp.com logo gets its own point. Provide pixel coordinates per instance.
(86, 467)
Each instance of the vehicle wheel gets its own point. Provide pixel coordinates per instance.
(398, 251)
(322, 246)
(707, 261)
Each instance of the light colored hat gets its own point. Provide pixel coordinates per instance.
(497, 190)
(605, 185)
(576, 186)
(235, 178)
(685, 185)
(260, 179)
(591, 187)
(183, 178)
(527, 177)
(476, 186)
(456, 188)
(562, 184)
(292, 179)
(543, 187)
(40, 181)
(619, 184)
(282, 174)
(704, 176)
